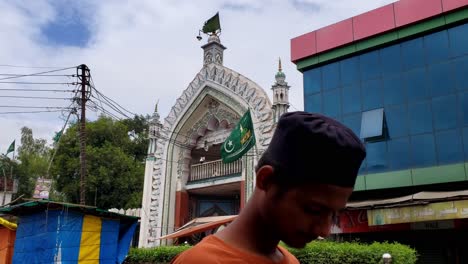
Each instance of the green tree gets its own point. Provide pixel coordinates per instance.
(115, 162)
(33, 157)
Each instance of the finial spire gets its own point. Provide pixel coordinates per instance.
(156, 107)
(279, 64)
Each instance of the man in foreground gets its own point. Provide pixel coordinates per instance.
(303, 179)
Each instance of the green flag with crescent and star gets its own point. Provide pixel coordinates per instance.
(11, 148)
(212, 24)
(241, 139)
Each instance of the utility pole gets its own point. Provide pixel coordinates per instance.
(83, 76)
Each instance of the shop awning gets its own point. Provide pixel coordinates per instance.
(199, 225)
(408, 200)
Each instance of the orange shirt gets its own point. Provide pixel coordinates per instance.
(213, 250)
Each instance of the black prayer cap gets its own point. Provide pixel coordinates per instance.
(310, 147)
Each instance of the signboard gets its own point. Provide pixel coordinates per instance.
(42, 189)
(355, 221)
(420, 213)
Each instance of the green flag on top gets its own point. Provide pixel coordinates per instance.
(11, 148)
(241, 139)
(212, 24)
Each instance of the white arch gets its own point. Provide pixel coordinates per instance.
(231, 88)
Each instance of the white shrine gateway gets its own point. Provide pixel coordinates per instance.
(184, 175)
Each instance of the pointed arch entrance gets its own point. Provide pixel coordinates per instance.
(201, 118)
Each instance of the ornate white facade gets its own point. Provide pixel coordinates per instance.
(200, 120)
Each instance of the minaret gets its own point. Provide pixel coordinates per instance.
(146, 230)
(155, 127)
(280, 94)
(213, 51)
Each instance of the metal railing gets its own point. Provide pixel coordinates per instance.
(212, 169)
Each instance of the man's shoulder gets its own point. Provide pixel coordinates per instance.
(209, 251)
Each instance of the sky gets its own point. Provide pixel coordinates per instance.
(142, 51)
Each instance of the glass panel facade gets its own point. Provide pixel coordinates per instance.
(349, 69)
(423, 150)
(312, 82)
(449, 146)
(351, 99)
(412, 54)
(393, 90)
(332, 103)
(417, 85)
(445, 112)
(330, 76)
(376, 160)
(422, 86)
(397, 121)
(372, 94)
(420, 117)
(399, 153)
(458, 40)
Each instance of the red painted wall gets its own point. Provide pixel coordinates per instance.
(303, 46)
(242, 195)
(374, 22)
(410, 11)
(377, 21)
(182, 209)
(448, 5)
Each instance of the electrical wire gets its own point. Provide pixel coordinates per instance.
(48, 83)
(44, 107)
(37, 73)
(36, 90)
(103, 110)
(34, 97)
(109, 99)
(58, 142)
(113, 107)
(29, 67)
(29, 112)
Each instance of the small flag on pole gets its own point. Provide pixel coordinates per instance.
(212, 25)
(241, 139)
(11, 148)
(57, 136)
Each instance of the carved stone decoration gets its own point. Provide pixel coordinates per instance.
(220, 114)
(230, 89)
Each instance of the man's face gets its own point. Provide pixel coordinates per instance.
(302, 214)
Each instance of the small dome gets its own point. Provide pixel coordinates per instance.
(280, 74)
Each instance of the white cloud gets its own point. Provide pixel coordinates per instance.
(142, 51)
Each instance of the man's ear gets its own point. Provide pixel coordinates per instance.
(264, 178)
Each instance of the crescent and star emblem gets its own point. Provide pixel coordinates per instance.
(230, 145)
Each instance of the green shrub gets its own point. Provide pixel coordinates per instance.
(317, 252)
(327, 252)
(163, 254)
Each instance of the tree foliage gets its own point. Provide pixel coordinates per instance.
(31, 163)
(116, 152)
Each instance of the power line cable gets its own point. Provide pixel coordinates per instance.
(103, 110)
(111, 101)
(29, 67)
(48, 83)
(37, 73)
(29, 112)
(34, 97)
(113, 107)
(35, 107)
(35, 90)
(58, 142)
